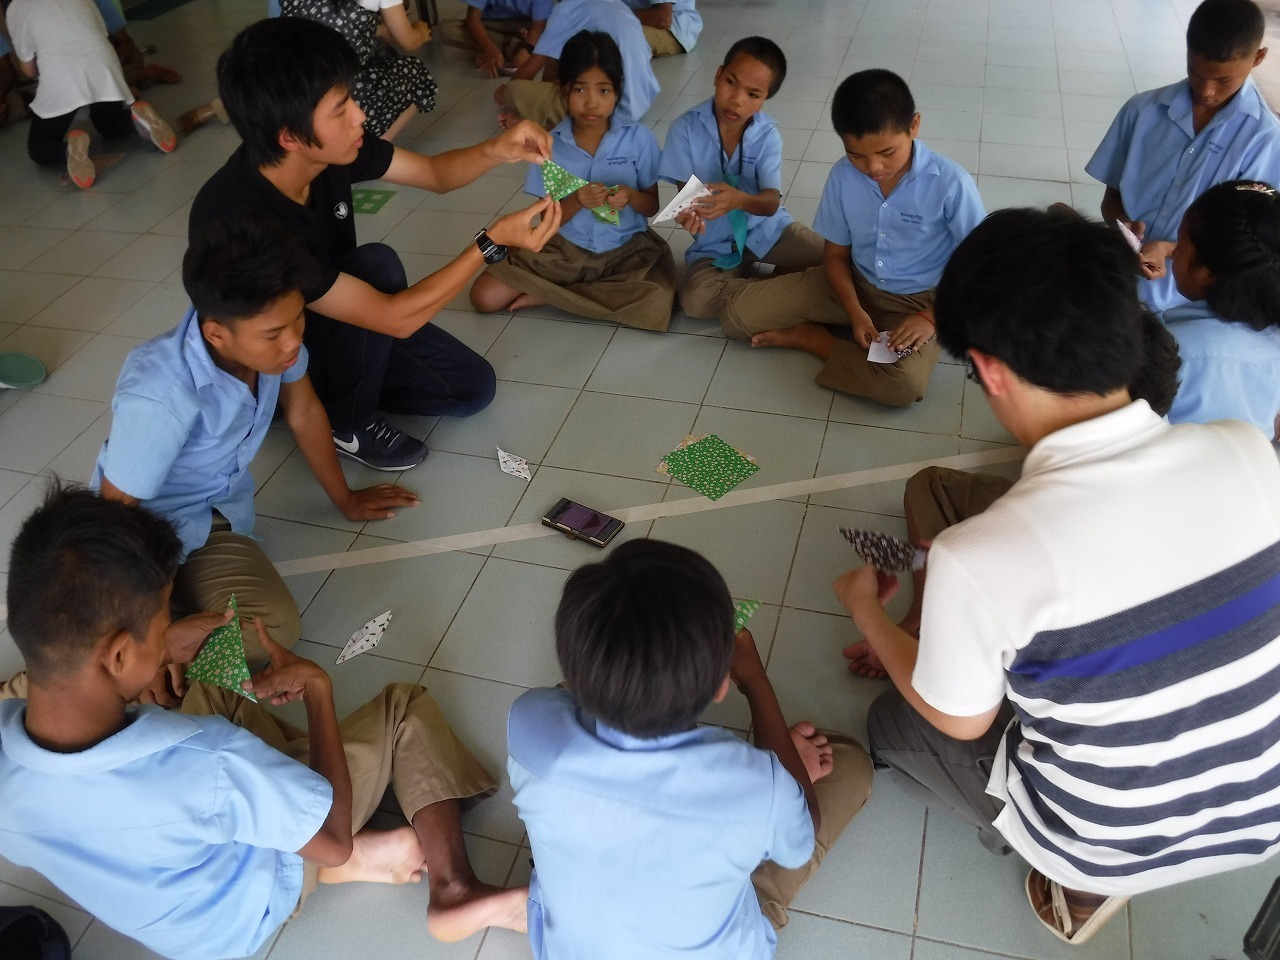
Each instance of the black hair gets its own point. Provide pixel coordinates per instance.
(82, 568)
(870, 102)
(645, 637)
(768, 53)
(1157, 379)
(273, 76)
(1222, 30)
(1235, 230)
(1050, 294)
(587, 49)
(243, 264)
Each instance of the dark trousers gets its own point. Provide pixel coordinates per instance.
(46, 135)
(357, 372)
(936, 768)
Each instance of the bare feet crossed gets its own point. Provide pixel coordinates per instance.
(463, 907)
(813, 338)
(380, 856)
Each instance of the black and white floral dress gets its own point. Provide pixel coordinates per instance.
(389, 81)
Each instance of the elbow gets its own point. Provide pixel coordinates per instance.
(338, 850)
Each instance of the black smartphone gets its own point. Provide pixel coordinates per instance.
(582, 523)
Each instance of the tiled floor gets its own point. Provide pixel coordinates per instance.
(1017, 90)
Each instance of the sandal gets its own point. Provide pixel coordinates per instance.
(20, 371)
(1070, 915)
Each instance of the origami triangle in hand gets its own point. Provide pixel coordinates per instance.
(559, 182)
(221, 660)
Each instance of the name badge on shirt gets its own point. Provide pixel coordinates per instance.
(912, 218)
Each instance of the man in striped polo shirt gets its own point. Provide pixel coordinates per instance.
(1096, 682)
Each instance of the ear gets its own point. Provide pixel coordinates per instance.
(117, 653)
(289, 142)
(214, 333)
(722, 691)
(1260, 56)
(996, 377)
(914, 129)
(719, 71)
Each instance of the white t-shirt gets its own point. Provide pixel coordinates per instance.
(1125, 596)
(68, 39)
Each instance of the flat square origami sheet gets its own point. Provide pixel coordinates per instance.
(559, 183)
(743, 610)
(710, 466)
(221, 659)
(366, 638)
(693, 191)
(887, 554)
(516, 466)
(663, 469)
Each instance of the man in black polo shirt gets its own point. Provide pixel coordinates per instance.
(286, 86)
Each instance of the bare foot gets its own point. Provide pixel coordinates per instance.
(157, 73)
(500, 96)
(863, 660)
(195, 118)
(812, 338)
(524, 300)
(380, 856)
(507, 118)
(813, 748)
(460, 909)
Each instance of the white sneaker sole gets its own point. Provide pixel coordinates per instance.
(151, 126)
(79, 166)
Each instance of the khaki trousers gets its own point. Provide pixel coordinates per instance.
(537, 100)
(232, 563)
(841, 794)
(399, 738)
(501, 32)
(939, 497)
(662, 43)
(634, 285)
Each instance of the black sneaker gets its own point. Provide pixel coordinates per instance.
(379, 445)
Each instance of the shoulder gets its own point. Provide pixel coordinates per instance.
(157, 370)
(539, 720)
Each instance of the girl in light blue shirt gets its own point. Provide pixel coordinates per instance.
(1227, 263)
(605, 263)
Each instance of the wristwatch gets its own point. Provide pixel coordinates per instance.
(492, 252)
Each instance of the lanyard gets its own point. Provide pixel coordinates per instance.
(737, 218)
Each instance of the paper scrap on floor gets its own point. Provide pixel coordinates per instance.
(516, 466)
(366, 638)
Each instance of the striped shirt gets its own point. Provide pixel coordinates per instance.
(1125, 597)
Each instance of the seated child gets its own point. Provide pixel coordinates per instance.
(736, 150)
(138, 73)
(606, 271)
(195, 835)
(647, 829)
(542, 101)
(192, 408)
(77, 68)
(1227, 263)
(1168, 146)
(670, 26)
(892, 212)
(501, 33)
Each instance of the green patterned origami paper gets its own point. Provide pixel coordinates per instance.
(559, 183)
(221, 660)
(742, 612)
(710, 466)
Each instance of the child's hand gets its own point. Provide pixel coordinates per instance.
(592, 195)
(745, 666)
(864, 331)
(490, 60)
(185, 637)
(167, 687)
(289, 677)
(620, 197)
(912, 333)
(375, 503)
(691, 220)
(723, 198)
(1153, 256)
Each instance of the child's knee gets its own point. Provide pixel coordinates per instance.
(487, 295)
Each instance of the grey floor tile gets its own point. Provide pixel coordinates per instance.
(852, 448)
(38, 427)
(81, 253)
(91, 373)
(640, 363)
(72, 920)
(537, 350)
(621, 436)
(807, 936)
(523, 419)
(770, 381)
(457, 494)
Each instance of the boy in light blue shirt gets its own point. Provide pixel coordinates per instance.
(541, 100)
(501, 33)
(891, 214)
(1168, 146)
(647, 829)
(191, 410)
(670, 26)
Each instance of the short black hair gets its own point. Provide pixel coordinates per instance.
(1235, 230)
(1157, 379)
(273, 76)
(872, 101)
(587, 49)
(768, 53)
(1051, 294)
(645, 637)
(241, 265)
(82, 568)
(1222, 30)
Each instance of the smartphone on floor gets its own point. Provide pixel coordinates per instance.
(579, 522)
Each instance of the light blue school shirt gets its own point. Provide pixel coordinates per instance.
(693, 148)
(1229, 370)
(510, 9)
(901, 243)
(686, 22)
(183, 432)
(177, 831)
(639, 85)
(112, 15)
(644, 848)
(1157, 161)
(628, 155)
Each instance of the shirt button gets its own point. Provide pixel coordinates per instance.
(879, 263)
(884, 234)
(1191, 150)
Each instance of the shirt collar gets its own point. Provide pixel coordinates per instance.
(706, 113)
(1099, 438)
(204, 372)
(1195, 310)
(1177, 98)
(625, 741)
(150, 730)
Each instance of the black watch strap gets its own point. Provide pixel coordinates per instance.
(492, 252)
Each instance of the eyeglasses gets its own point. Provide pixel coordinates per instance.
(971, 370)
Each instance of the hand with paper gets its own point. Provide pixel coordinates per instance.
(690, 192)
(289, 677)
